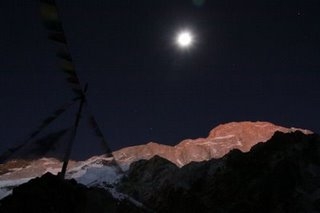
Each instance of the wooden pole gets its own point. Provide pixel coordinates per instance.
(73, 136)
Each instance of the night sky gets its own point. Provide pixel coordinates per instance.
(251, 60)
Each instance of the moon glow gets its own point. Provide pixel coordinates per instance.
(184, 39)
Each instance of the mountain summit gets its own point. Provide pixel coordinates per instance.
(220, 141)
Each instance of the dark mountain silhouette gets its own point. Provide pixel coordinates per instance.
(52, 194)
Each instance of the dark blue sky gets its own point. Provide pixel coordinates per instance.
(252, 60)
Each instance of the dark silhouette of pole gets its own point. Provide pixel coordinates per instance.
(74, 133)
(53, 24)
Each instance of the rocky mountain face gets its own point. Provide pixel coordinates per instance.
(222, 139)
(281, 175)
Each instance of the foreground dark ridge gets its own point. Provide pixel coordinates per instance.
(52, 194)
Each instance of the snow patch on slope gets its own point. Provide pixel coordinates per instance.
(97, 175)
(6, 186)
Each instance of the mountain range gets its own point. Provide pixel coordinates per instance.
(230, 166)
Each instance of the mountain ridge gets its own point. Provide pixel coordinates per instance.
(281, 175)
(102, 170)
(225, 137)
(221, 139)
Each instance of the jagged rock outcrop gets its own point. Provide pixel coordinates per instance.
(157, 172)
(281, 175)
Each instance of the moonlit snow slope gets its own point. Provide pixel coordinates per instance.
(92, 172)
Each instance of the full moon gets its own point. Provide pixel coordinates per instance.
(184, 39)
